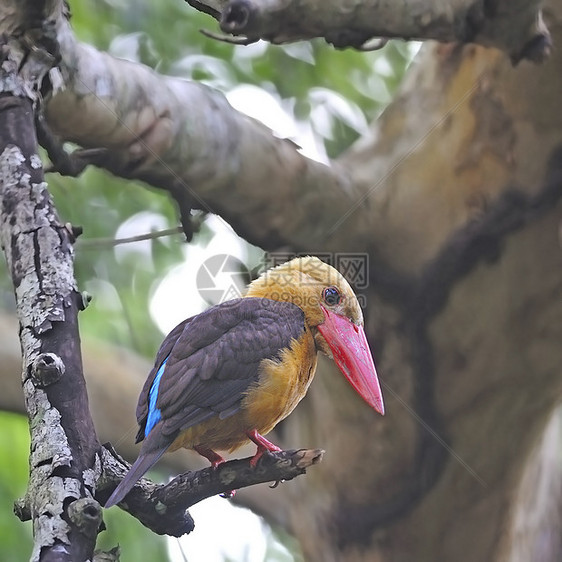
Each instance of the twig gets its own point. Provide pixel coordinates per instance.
(94, 243)
(228, 38)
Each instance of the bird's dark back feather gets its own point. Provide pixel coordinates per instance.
(213, 358)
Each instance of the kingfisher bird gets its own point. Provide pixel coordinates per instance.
(230, 374)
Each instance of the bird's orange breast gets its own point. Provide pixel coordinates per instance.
(281, 385)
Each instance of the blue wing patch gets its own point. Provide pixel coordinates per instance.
(154, 414)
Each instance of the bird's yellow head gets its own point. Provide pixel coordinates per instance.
(312, 285)
(333, 314)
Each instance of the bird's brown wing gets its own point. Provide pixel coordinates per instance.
(213, 358)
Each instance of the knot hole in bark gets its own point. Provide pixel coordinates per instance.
(537, 50)
(47, 369)
(237, 16)
(86, 514)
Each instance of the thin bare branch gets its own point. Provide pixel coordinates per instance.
(96, 243)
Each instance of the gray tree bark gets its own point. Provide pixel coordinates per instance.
(38, 249)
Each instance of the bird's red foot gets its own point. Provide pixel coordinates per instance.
(263, 446)
(214, 458)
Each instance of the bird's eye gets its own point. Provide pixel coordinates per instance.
(331, 296)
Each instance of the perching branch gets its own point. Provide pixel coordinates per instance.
(513, 26)
(163, 509)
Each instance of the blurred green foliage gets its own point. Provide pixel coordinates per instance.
(119, 278)
(336, 92)
(15, 539)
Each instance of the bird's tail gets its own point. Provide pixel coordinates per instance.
(144, 462)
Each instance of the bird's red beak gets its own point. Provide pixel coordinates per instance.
(352, 355)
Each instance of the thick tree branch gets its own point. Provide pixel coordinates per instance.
(513, 26)
(164, 131)
(154, 133)
(38, 251)
(163, 509)
(186, 138)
